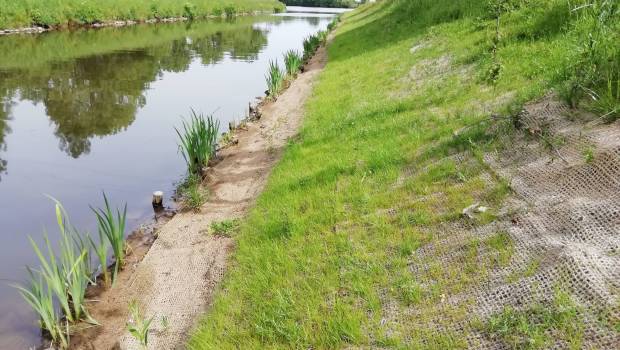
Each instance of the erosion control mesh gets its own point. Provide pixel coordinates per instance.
(561, 229)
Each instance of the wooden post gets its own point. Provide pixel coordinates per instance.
(158, 199)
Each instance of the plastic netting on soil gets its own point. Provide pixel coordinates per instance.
(562, 224)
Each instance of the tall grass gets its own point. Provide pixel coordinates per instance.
(275, 79)
(198, 141)
(112, 227)
(293, 62)
(593, 72)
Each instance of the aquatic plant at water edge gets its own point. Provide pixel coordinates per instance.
(322, 35)
(275, 79)
(39, 296)
(332, 25)
(101, 251)
(61, 279)
(292, 61)
(74, 268)
(138, 326)
(113, 228)
(198, 141)
(311, 44)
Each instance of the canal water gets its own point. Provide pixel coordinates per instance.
(87, 111)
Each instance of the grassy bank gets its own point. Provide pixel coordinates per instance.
(50, 13)
(325, 259)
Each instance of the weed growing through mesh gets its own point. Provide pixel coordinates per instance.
(138, 326)
(192, 192)
(224, 228)
(532, 328)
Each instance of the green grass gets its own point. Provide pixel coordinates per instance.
(192, 193)
(21, 13)
(225, 228)
(325, 258)
(536, 326)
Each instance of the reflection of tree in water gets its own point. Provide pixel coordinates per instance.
(99, 95)
(5, 105)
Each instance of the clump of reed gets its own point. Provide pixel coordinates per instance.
(311, 44)
(61, 279)
(322, 35)
(293, 62)
(332, 25)
(57, 289)
(275, 79)
(111, 226)
(198, 141)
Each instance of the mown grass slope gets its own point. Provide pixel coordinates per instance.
(22, 13)
(326, 255)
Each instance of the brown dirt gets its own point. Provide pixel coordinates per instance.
(178, 275)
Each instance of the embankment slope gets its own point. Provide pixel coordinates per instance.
(438, 196)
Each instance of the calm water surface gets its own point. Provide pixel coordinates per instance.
(94, 110)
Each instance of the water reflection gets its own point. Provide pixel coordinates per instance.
(99, 94)
(4, 129)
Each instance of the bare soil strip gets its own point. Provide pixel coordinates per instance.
(177, 278)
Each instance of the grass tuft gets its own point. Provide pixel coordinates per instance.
(225, 228)
(192, 192)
